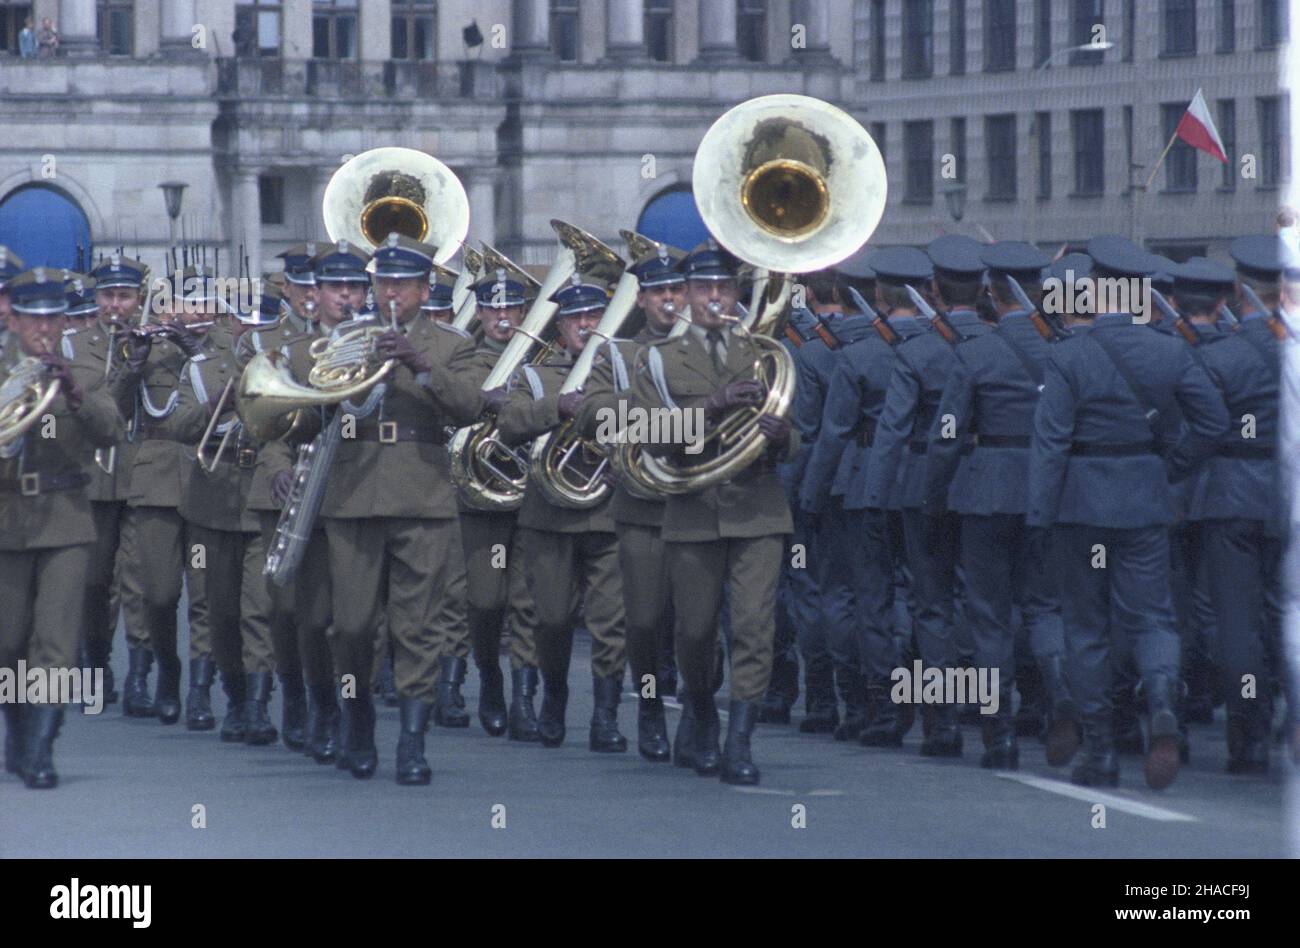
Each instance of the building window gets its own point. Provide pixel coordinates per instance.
(13, 16)
(1128, 150)
(1042, 31)
(751, 29)
(918, 39)
(1130, 29)
(1179, 27)
(877, 40)
(1228, 132)
(918, 144)
(999, 35)
(270, 196)
(1085, 17)
(1272, 23)
(334, 29)
(878, 133)
(257, 29)
(1089, 151)
(659, 30)
(1043, 134)
(957, 37)
(1270, 141)
(1226, 26)
(958, 136)
(564, 30)
(415, 24)
(1180, 163)
(117, 27)
(1000, 142)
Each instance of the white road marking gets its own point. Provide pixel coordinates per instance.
(672, 704)
(1097, 796)
(770, 791)
(825, 793)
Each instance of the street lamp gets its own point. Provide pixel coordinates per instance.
(954, 195)
(1033, 125)
(173, 194)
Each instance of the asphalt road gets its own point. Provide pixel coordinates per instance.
(129, 787)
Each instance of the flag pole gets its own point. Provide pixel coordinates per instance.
(1161, 159)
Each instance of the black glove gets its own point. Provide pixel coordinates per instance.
(281, 486)
(57, 367)
(733, 395)
(188, 341)
(494, 399)
(396, 345)
(775, 428)
(568, 404)
(138, 347)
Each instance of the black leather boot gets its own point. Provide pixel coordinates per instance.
(944, 739)
(523, 719)
(13, 737)
(1098, 768)
(605, 737)
(412, 768)
(491, 698)
(136, 702)
(737, 764)
(233, 729)
(684, 740)
(259, 731)
(386, 686)
(1163, 757)
(1247, 742)
(652, 730)
(41, 724)
(323, 735)
(198, 703)
(1032, 714)
(820, 719)
(167, 699)
(449, 705)
(359, 754)
(705, 732)
(550, 722)
(293, 713)
(1127, 727)
(1062, 736)
(883, 727)
(853, 690)
(1001, 750)
(98, 655)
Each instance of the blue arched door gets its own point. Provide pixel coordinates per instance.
(44, 226)
(671, 217)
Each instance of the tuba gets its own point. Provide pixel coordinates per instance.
(24, 397)
(397, 190)
(490, 474)
(789, 184)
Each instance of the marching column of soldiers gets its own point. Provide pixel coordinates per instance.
(1083, 503)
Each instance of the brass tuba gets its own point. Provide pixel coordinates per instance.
(397, 190)
(24, 397)
(490, 474)
(789, 184)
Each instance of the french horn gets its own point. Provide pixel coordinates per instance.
(25, 396)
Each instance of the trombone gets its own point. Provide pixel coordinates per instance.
(210, 466)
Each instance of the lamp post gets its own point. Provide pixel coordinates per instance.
(173, 194)
(1033, 127)
(954, 195)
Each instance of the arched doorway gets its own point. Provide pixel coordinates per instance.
(671, 217)
(44, 226)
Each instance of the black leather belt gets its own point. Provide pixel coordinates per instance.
(391, 432)
(1254, 452)
(1112, 449)
(1003, 441)
(35, 483)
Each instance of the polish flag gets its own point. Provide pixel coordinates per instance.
(1197, 129)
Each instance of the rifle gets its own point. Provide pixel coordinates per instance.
(937, 319)
(826, 336)
(878, 323)
(1185, 329)
(1279, 329)
(1048, 326)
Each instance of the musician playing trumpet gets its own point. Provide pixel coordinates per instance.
(730, 534)
(46, 526)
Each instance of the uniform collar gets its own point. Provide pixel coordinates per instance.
(963, 317)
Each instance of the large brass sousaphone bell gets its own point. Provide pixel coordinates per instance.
(397, 190)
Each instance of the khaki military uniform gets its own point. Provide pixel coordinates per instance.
(390, 512)
(728, 535)
(637, 521)
(47, 529)
(564, 548)
(494, 594)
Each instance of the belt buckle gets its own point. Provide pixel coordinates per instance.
(247, 457)
(29, 485)
(388, 432)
